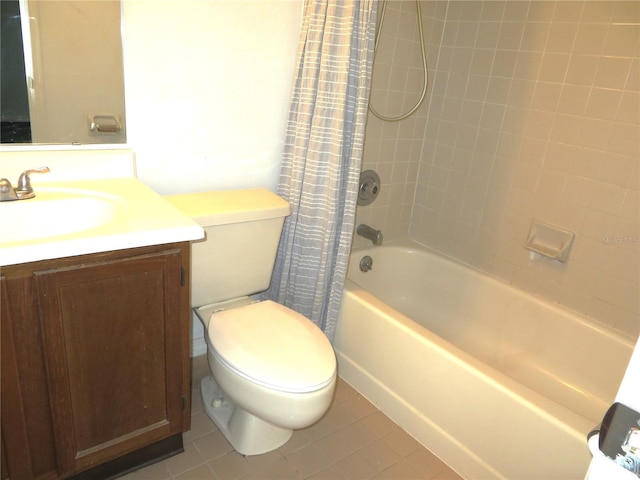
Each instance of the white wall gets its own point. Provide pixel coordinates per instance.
(207, 86)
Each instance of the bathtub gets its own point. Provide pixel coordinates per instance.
(495, 382)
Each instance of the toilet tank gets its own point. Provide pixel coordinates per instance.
(242, 232)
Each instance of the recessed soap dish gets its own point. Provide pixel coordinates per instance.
(549, 241)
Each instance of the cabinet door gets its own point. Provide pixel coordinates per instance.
(114, 345)
(28, 449)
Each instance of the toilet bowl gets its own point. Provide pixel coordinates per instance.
(273, 371)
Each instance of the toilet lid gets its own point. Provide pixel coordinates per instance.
(273, 346)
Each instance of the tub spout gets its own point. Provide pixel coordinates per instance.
(371, 233)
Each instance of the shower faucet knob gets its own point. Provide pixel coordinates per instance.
(369, 187)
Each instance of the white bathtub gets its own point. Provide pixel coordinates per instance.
(495, 382)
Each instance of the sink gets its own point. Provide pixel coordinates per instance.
(54, 212)
(78, 217)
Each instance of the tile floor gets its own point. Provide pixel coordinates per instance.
(354, 440)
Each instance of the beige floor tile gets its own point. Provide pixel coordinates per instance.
(202, 472)
(355, 467)
(278, 470)
(298, 440)
(321, 429)
(357, 406)
(379, 424)
(184, 461)
(307, 461)
(344, 442)
(353, 441)
(213, 445)
(426, 463)
(201, 425)
(342, 413)
(399, 471)
(447, 474)
(401, 442)
(343, 391)
(338, 416)
(329, 473)
(230, 466)
(379, 455)
(196, 402)
(259, 462)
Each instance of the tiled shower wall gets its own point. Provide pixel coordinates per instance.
(533, 113)
(393, 149)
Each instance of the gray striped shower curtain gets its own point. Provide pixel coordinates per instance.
(322, 156)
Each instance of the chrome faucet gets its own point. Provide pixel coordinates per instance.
(371, 233)
(24, 190)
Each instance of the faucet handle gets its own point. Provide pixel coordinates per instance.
(24, 182)
(6, 191)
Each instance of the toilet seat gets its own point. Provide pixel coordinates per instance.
(273, 346)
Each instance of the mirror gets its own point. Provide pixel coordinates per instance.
(62, 79)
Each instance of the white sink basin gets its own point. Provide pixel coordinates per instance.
(89, 202)
(54, 212)
(70, 218)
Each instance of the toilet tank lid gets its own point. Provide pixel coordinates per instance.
(230, 206)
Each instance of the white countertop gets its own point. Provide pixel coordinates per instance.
(81, 214)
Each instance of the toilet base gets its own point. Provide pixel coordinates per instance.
(248, 434)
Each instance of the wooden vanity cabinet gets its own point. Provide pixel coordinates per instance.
(95, 361)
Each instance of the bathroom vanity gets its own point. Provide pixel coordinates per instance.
(94, 321)
(95, 361)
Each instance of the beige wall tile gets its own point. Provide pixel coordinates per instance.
(533, 112)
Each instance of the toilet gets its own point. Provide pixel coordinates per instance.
(272, 369)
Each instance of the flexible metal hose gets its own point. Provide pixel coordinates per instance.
(424, 65)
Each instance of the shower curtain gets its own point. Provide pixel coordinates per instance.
(322, 157)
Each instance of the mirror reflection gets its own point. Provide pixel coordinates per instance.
(61, 72)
